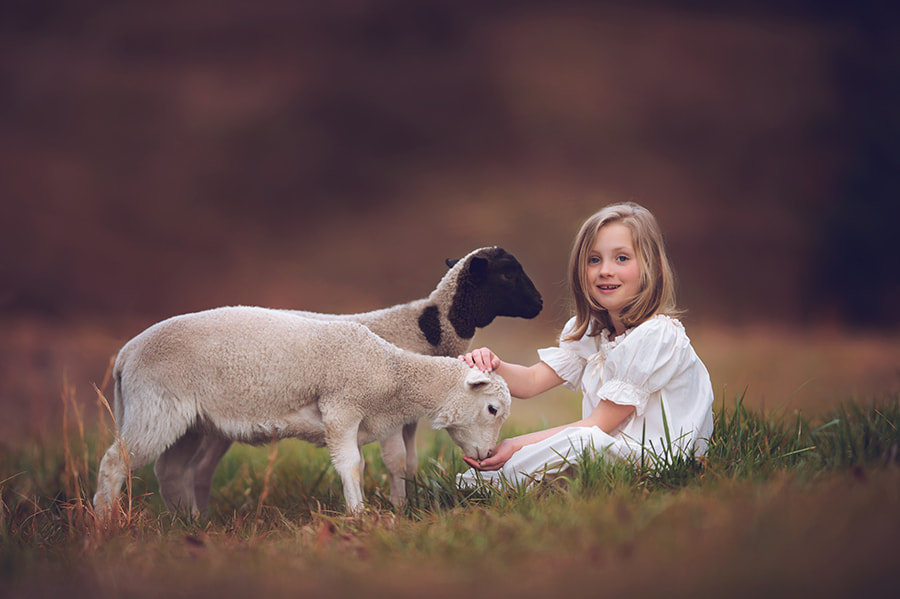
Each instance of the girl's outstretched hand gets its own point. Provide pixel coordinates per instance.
(498, 456)
(483, 359)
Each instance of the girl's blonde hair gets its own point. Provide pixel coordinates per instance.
(657, 295)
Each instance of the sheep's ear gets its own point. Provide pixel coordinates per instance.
(451, 262)
(476, 378)
(478, 268)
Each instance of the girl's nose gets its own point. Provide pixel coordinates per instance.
(605, 269)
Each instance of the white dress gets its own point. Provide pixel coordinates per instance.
(651, 367)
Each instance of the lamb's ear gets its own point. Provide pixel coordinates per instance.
(440, 422)
(451, 262)
(476, 378)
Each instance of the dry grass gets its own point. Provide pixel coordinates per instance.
(757, 517)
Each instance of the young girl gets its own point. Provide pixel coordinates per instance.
(623, 348)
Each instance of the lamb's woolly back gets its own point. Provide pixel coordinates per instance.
(263, 359)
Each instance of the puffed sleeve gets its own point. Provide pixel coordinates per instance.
(569, 358)
(646, 360)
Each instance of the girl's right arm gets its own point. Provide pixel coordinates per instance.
(523, 381)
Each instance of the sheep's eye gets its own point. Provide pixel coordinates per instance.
(492, 409)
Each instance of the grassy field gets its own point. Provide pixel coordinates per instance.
(781, 505)
(799, 492)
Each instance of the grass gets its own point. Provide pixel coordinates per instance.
(779, 505)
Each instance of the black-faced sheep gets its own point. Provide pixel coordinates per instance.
(253, 375)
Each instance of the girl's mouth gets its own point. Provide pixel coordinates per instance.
(607, 287)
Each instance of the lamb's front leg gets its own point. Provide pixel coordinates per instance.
(346, 456)
(362, 472)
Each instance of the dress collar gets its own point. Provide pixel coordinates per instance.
(605, 343)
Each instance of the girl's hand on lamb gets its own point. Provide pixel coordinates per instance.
(483, 359)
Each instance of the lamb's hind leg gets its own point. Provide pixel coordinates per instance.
(115, 466)
(412, 456)
(393, 452)
(112, 473)
(147, 427)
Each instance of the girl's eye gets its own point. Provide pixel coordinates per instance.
(593, 260)
(622, 259)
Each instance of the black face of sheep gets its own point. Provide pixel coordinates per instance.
(492, 284)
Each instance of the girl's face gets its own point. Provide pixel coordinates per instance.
(613, 271)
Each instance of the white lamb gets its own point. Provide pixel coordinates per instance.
(486, 283)
(253, 374)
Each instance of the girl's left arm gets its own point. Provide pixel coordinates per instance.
(607, 416)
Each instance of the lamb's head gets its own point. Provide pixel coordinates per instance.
(491, 283)
(474, 410)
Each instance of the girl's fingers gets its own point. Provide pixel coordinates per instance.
(468, 359)
(489, 464)
(485, 464)
(483, 358)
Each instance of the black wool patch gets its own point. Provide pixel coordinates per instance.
(430, 325)
(469, 308)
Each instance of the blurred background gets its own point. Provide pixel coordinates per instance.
(164, 157)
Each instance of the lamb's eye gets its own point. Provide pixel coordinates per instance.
(492, 409)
